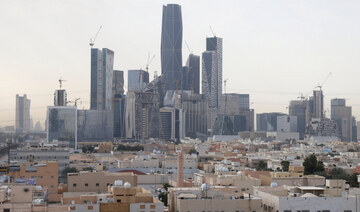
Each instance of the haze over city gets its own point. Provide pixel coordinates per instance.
(272, 50)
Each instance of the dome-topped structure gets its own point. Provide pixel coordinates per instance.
(127, 185)
(205, 187)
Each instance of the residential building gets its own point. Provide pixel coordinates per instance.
(97, 181)
(227, 199)
(41, 174)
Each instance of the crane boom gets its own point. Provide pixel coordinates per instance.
(92, 41)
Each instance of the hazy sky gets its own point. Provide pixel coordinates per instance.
(273, 50)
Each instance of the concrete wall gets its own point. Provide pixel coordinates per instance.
(226, 205)
(314, 204)
(147, 207)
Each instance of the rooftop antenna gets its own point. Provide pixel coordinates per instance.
(60, 82)
(92, 40)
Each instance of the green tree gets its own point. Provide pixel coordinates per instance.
(122, 147)
(285, 165)
(69, 170)
(88, 169)
(261, 166)
(339, 174)
(88, 148)
(312, 165)
(192, 151)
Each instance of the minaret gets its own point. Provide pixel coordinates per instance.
(180, 169)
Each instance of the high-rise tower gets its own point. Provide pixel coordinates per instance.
(191, 74)
(171, 45)
(212, 71)
(102, 62)
(22, 114)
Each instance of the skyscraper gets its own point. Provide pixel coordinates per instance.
(318, 104)
(342, 114)
(191, 74)
(299, 108)
(118, 104)
(22, 114)
(212, 71)
(62, 125)
(171, 46)
(137, 80)
(60, 97)
(102, 62)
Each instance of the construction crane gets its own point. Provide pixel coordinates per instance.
(60, 82)
(302, 97)
(322, 84)
(212, 31)
(191, 52)
(92, 40)
(75, 101)
(149, 62)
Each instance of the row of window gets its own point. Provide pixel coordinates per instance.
(87, 184)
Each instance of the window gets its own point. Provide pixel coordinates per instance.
(97, 184)
(142, 206)
(86, 185)
(287, 210)
(325, 210)
(74, 185)
(119, 200)
(52, 186)
(152, 206)
(347, 210)
(52, 177)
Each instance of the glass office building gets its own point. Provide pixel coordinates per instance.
(62, 125)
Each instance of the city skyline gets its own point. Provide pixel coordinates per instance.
(310, 48)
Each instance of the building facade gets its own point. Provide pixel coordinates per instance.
(102, 62)
(137, 80)
(171, 46)
(212, 71)
(267, 121)
(62, 125)
(191, 74)
(22, 114)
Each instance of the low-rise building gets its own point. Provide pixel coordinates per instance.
(97, 181)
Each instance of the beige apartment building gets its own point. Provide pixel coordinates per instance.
(123, 197)
(97, 181)
(227, 199)
(45, 174)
